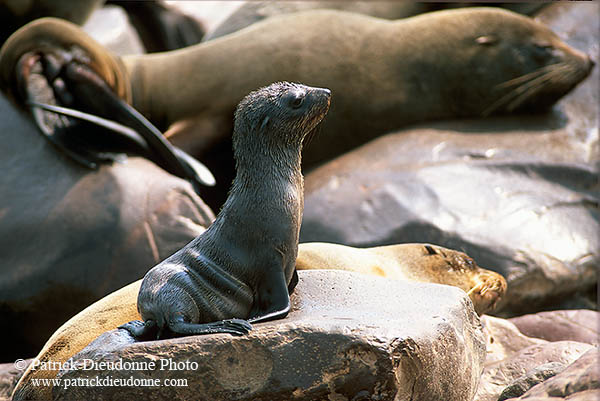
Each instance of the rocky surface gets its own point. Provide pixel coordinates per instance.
(9, 376)
(347, 337)
(501, 374)
(503, 339)
(576, 325)
(70, 235)
(517, 194)
(579, 381)
(535, 376)
(516, 364)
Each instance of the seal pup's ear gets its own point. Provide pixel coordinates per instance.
(264, 123)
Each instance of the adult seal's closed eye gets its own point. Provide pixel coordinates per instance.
(243, 266)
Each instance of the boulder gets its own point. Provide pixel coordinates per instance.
(580, 381)
(576, 325)
(69, 235)
(518, 194)
(503, 339)
(500, 374)
(347, 337)
(530, 379)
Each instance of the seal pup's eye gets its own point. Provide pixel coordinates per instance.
(295, 99)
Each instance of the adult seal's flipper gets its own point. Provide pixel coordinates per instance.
(50, 76)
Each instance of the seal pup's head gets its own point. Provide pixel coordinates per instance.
(278, 116)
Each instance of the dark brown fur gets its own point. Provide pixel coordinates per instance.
(243, 266)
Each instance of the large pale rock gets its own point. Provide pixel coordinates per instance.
(347, 337)
(69, 235)
(517, 194)
(579, 381)
(576, 325)
(498, 375)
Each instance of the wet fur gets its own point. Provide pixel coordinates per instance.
(243, 265)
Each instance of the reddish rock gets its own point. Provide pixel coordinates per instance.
(576, 325)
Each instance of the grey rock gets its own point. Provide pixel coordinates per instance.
(576, 325)
(580, 381)
(535, 376)
(69, 235)
(517, 194)
(348, 336)
(498, 375)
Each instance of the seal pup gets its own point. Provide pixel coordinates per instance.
(244, 265)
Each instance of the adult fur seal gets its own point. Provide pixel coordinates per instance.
(418, 262)
(413, 262)
(244, 265)
(386, 74)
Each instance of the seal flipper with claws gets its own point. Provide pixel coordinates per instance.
(244, 265)
(51, 78)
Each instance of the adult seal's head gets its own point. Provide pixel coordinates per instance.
(244, 265)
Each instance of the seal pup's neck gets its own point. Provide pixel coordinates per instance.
(267, 194)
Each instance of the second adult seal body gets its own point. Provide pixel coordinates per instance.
(243, 266)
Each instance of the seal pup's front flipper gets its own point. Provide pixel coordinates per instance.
(272, 299)
(149, 330)
(140, 330)
(231, 326)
